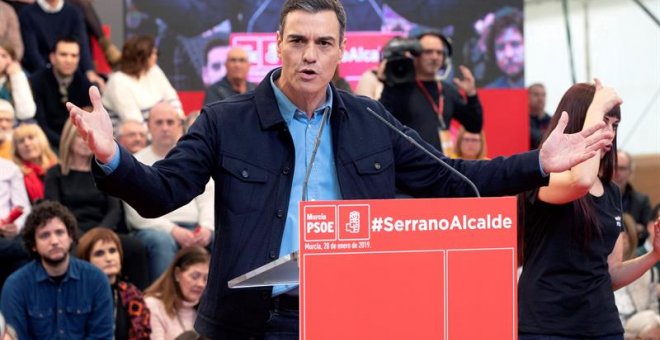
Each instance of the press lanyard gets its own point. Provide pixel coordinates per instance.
(438, 108)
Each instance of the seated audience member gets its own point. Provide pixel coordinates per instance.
(648, 243)
(236, 80)
(71, 183)
(6, 125)
(634, 202)
(95, 30)
(139, 84)
(539, 119)
(14, 85)
(132, 135)
(643, 326)
(470, 145)
(12, 196)
(56, 294)
(10, 31)
(102, 248)
(192, 224)
(173, 299)
(640, 294)
(370, 83)
(33, 155)
(43, 23)
(53, 87)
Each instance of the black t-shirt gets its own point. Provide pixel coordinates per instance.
(564, 288)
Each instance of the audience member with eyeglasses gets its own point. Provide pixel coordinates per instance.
(235, 81)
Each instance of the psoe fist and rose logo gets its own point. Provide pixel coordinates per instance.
(340, 222)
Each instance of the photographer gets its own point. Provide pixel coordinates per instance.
(415, 96)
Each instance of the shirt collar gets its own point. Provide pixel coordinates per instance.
(72, 272)
(48, 8)
(286, 106)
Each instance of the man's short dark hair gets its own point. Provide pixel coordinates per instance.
(315, 6)
(40, 215)
(66, 40)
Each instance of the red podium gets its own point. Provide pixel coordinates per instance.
(404, 269)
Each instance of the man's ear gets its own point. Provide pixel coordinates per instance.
(279, 39)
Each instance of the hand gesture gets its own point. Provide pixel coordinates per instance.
(182, 236)
(466, 84)
(9, 230)
(13, 68)
(203, 237)
(561, 151)
(605, 98)
(94, 127)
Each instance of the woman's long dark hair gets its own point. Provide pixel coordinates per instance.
(575, 102)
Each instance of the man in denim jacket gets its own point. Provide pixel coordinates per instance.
(56, 296)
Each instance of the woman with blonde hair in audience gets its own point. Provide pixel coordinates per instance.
(174, 297)
(139, 84)
(32, 153)
(14, 85)
(470, 145)
(102, 248)
(72, 184)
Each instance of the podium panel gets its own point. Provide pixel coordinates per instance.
(408, 269)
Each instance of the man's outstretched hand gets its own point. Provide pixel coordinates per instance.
(562, 151)
(94, 127)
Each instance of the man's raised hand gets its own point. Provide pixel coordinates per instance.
(94, 127)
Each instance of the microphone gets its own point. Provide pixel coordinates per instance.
(426, 151)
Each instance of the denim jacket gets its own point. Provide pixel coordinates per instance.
(79, 307)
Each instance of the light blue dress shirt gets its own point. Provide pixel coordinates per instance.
(323, 183)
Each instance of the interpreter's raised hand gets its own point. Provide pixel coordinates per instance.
(605, 98)
(94, 127)
(466, 84)
(561, 151)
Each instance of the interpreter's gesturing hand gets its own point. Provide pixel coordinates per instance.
(466, 84)
(562, 151)
(94, 127)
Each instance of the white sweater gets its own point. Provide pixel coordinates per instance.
(130, 98)
(198, 211)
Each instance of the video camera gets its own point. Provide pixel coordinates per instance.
(400, 68)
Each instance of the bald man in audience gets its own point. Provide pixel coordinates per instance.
(235, 82)
(132, 135)
(191, 224)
